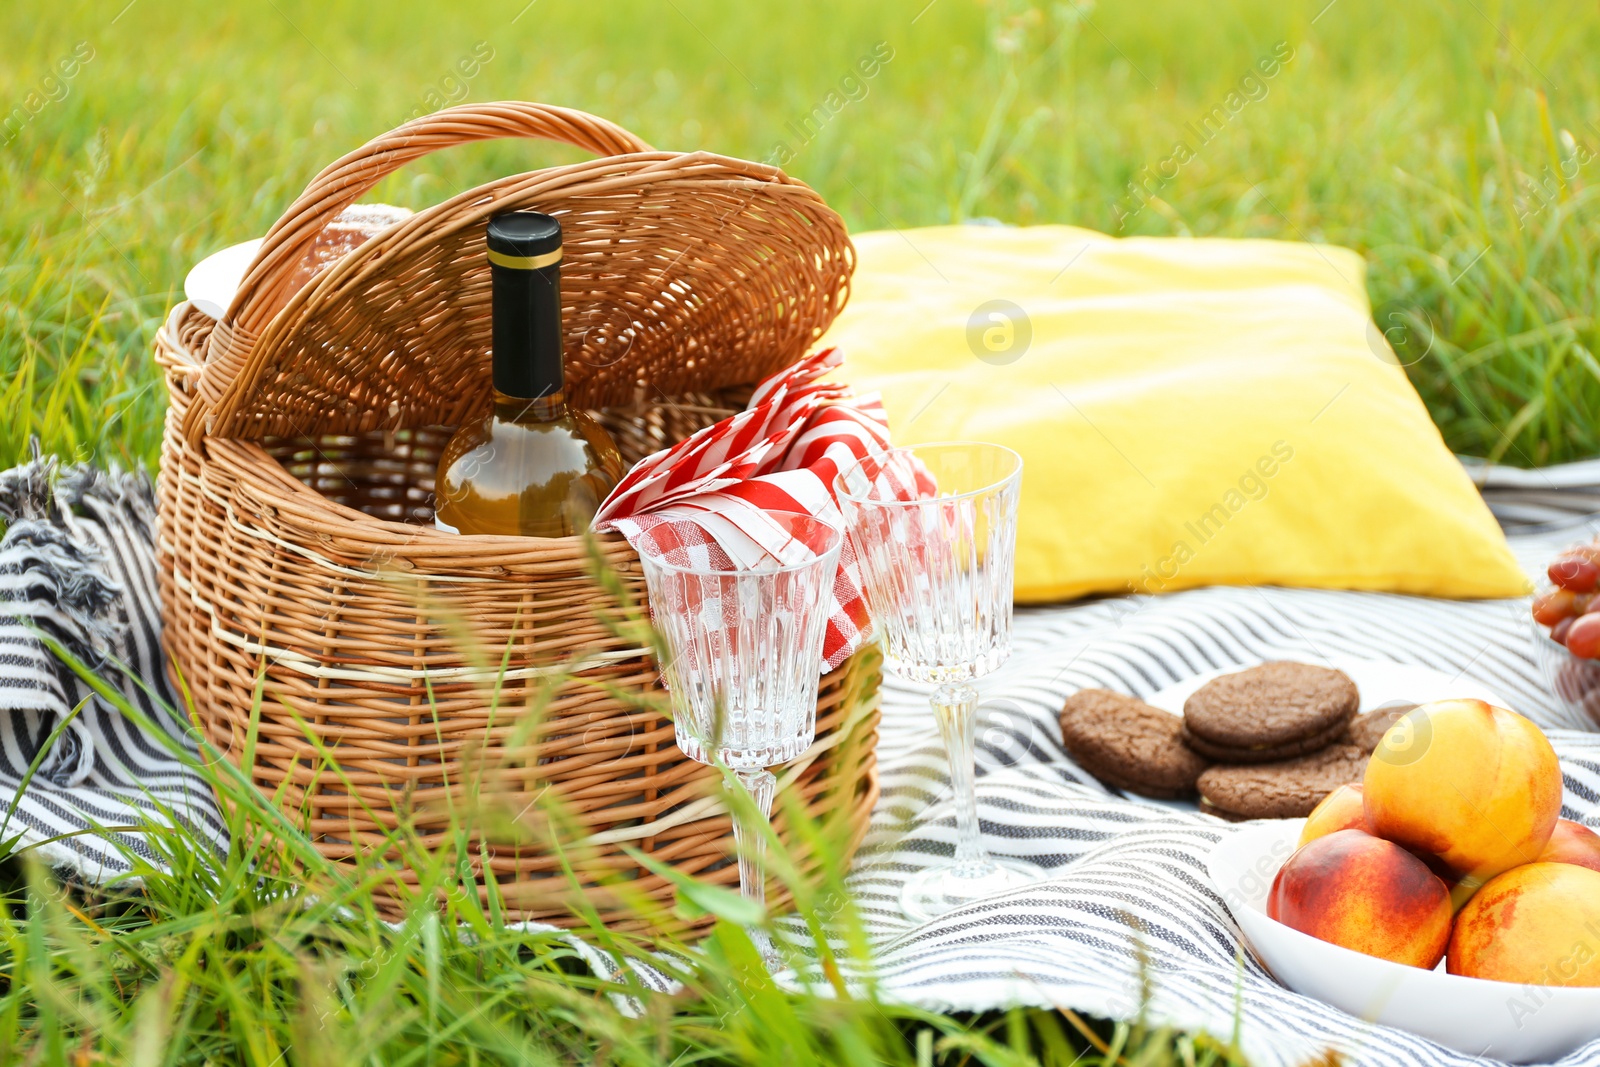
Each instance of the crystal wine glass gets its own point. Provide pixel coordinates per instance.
(743, 649)
(936, 572)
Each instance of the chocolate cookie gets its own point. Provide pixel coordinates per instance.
(1285, 790)
(1270, 712)
(1275, 754)
(1368, 728)
(1207, 808)
(1128, 744)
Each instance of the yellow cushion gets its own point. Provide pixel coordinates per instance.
(1189, 412)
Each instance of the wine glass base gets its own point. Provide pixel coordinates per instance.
(937, 890)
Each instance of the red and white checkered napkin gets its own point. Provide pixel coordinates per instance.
(781, 453)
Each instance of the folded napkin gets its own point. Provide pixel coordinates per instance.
(782, 453)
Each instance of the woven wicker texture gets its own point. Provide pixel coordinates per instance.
(682, 272)
(297, 543)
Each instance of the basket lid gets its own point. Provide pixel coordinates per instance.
(681, 272)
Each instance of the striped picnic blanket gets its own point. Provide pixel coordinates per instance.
(77, 563)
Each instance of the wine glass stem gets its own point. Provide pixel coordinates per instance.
(955, 707)
(749, 840)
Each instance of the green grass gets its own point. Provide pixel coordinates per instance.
(273, 954)
(1452, 144)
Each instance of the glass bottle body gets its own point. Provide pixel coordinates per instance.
(533, 468)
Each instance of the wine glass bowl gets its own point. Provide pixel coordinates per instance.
(937, 570)
(933, 529)
(743, 644)
(1574, 681)
(1565, 609)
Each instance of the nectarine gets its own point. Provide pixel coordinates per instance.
(1476, 786)
(1341, 809)
(1538, 924)
(1366, 894)
(1572, 843)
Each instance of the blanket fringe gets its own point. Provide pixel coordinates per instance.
(43, 544)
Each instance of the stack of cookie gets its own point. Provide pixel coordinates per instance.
(1267, 742)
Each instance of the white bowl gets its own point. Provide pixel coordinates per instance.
(1495, 1020)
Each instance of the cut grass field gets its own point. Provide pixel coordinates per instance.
(1453, 145)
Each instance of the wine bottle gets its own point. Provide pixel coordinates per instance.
(532, 466)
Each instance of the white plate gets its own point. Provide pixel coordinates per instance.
(1496, 1020)
(1378, 682)
(212, 282)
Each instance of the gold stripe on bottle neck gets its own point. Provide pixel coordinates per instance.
(500, 259)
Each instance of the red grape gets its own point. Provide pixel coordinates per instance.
(1551, 607)
(1576, 573)
(1583, 639)
(1558, 633)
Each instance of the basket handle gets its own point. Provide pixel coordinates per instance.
(261, 293)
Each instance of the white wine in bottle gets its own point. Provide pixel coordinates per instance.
(532, 466)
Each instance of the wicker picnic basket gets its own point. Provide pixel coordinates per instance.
(398, 669)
